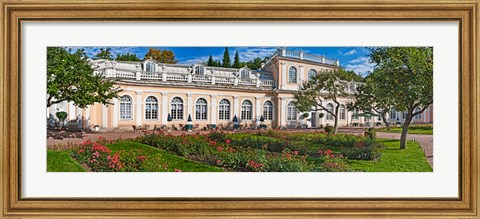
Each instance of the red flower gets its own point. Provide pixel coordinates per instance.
(81, 151)
(141, 158)
(295, 152)
(327, 152)
(177, 170)
(227, 141)
(219, 148)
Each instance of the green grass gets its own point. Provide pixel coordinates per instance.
(393, 159)
(60, 161)
(424, 130)
(156, 158)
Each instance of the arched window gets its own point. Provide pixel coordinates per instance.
(199, 70)
(268, 110)
(201, 109)
(393, 113)
(151, 108)
(329, 108)
(176, 108)
(291, 112)
(354, 114)
(342, 111)
(419, 116)
(244, 73)
(311, 73)
(404, 115)
(125, 107)
(292, 75)
(150, 67)
(246, 112)
(224, 110)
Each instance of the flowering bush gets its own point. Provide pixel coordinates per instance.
(332, 162)
(99, 158)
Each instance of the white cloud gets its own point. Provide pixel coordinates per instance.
(92, 51)
(360, 65)
(351, 52)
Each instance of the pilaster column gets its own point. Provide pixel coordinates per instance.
(72, 111)
(87, 117)
(116, 114)
(301, 74)
(138, 110)
(283, 75)
(236, 106)
(213, 109)
(104, 116)
(189, 106)
(258, 109)
(164, 108)
(283, 114)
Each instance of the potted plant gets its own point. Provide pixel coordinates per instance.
(62, 116)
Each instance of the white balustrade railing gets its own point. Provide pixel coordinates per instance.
(120, 73)
(201, 78)
(177, 77)
(182, 77)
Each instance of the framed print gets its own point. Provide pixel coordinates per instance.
(254, 109)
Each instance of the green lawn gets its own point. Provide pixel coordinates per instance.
(393, 159)
(156, 158)
(60, 161)
(425, 130)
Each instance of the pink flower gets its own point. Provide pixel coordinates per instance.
(295, 152)
(177, 170)
(227, 141)
(327, 152)
(340, 156)
(219, 148)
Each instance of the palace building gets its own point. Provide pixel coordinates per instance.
(159, 94)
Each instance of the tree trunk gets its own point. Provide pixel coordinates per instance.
(403, 137)
(336, 119)
(384, 119)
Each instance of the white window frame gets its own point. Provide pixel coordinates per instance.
(176, 108)
(224, 109)
(343, 112)
(291, 112)
(201, 109)
(268, 110)
(329, 116)
(126, 108)
(292, 76)
(310, 73)
(246, 110)
(153, 106)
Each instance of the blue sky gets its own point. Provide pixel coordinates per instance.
(351, 58)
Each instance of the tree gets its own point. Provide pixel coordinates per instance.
(162, 56)
(210, 61)
(369, 97)
(226, 63)
(104, 54)
(127, 57)
(321, 87)
(236, 60)
(71, 78)
(218, 64)
(405, 76)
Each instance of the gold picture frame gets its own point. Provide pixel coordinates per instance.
(14, 12)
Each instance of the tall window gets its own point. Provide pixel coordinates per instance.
(246, 112)
(355, 112)
(291, 112)
(393, 113)
(224, 110)
(329, 108)
(342, 112)
(292, 75)
(176, 108)
(419, 116)
(151, 108)
(201, 109)
(311, 73)
(150, 67)
(125, 107)
(199, 70)
(404, 115)
(268, 110)
(244, 74)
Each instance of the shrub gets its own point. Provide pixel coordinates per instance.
(329, 129)
(370, 133)
(332, 162)
(62, 115)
